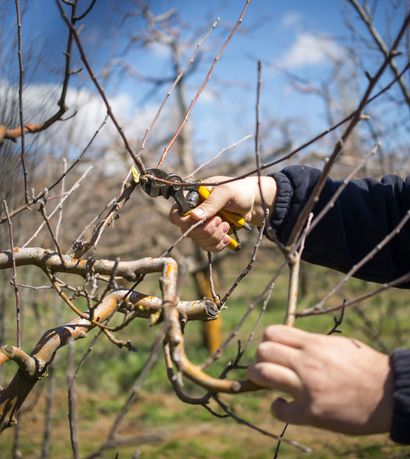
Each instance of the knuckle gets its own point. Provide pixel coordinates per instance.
(211, 225)
(217, 248)
(257, 372)
(313, 410)
(270, 332)
(174, 218)
(262, 371)
(262, 351)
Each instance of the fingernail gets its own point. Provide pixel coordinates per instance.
(226, 239)
(225, 227)
(200, 213)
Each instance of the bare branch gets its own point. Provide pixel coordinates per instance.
(21, 115)
(339, 145)
(14, 277)
(136, 158)
(293, 260)
(203, 85)
(381, 45)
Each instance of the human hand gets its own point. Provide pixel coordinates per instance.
(241, 197)
(337, 383)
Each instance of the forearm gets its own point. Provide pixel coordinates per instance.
(362, 216)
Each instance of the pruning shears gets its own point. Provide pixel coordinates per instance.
(185, 202)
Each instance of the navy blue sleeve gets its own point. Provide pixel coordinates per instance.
(400, 429)
(362, 216)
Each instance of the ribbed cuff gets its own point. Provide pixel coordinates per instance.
(283, 199)
(400, 428)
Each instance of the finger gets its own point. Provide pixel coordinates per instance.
(274, 376)
(286, 335)
(177, 219)
(218, 198)
(213, 231)
(185, 222)
(218, 247)
(290, 412)
(280, 354)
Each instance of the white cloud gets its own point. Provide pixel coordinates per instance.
(159, 50)
(290, 20)
(208, 96)
(309, 49)
(40, 102)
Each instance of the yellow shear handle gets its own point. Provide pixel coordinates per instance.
(234, 219)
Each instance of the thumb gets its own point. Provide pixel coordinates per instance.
(211, 206)
(287, 411)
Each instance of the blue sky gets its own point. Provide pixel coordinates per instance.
(295, 37)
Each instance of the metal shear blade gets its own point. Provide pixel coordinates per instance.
(154, 188)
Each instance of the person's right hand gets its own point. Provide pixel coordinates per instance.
(241, 197)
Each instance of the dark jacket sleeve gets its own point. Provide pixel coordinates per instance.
(362, 216)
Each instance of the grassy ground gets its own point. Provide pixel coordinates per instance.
(179, 430)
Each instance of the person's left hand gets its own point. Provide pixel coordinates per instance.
(337, 383)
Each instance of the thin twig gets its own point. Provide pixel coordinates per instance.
(136, 158)
(72, 402)
(257, 148)
(294, 151)
(83, 15)
(73, 188)
(248, 267)
(216, 298)
(33, 128)
(53, 237)
(352, 303)
(151, 361)
(218, 155)
(396, 230)
(45, 445)
(381, 45)
(330, 204)
(242, 421)
(14, 279)
(203, 85)
(43, 193)
(349, 129)
(293, 260)
(260, 315)
(21, 114)
(183, 236)
(280, 439)
(173, 86)
(265, 295)
(16, 453)
(60, 213)
(97, 217)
